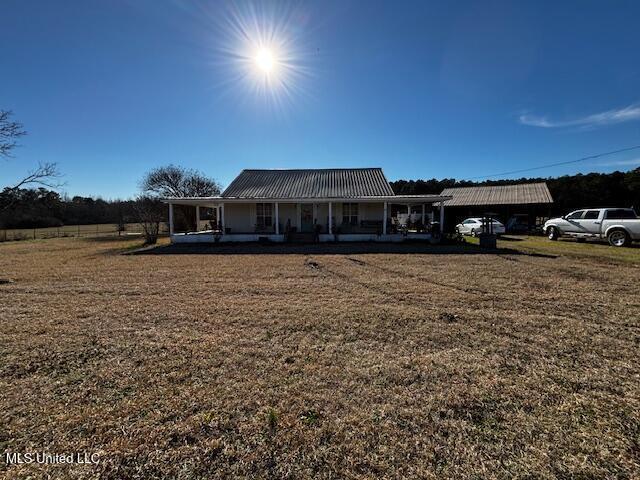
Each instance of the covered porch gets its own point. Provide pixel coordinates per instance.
(386, 219)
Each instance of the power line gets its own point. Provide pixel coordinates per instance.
(590, 157)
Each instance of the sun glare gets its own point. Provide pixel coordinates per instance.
(262, 52)
(265, 60)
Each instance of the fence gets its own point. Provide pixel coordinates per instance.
(98, 230)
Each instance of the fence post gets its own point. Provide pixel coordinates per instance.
(34, 233)
(78, 230)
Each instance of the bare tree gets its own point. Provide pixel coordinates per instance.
(174, 181)
(44, 175)
(150, 213)
(10, 131)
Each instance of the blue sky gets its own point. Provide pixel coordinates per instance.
(110, 89)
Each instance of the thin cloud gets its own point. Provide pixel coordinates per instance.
(621, 163)
(626, 114)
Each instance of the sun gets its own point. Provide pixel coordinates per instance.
(265, 61)
(261, 50)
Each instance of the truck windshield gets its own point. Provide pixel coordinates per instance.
(621, 214)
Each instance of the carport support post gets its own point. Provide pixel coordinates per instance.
(277, 220)
(171, 219)
(384, 219)
(441, 217)
(197, 218)
(330, 219)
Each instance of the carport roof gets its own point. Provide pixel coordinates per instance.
(524, 193)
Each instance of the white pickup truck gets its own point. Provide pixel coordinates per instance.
(620, 226)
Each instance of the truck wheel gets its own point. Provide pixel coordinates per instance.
(618, 238)
(552, 233)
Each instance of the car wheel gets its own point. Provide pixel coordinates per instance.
(618, 238)
(473, 232)
(552, 233)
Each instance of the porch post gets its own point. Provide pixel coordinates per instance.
(384, 219)
(441, 217)
(222, 217)
(298, 219)
(197, 218)
(171, 219)
(330, 218)
(423, 222)
(277, 219)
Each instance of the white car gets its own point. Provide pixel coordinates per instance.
(474, 226)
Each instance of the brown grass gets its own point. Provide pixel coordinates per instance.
(339, 365)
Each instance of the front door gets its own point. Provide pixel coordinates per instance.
(306, 217)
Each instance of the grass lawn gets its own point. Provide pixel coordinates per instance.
(333, 362)
(595, 250)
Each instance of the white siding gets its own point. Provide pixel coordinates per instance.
(240, 217)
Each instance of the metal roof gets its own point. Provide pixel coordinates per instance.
(523, 193)
(313, 183)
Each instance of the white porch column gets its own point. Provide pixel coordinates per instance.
(441, 217)
(423, 222)
(384, 219)
(222, 217)
(217, 217)
(330, 218)
(197, 218)
(171, 219)
(277, 219)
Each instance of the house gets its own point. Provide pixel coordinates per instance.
(353, 204)
(519, 207)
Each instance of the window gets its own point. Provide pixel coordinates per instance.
(592, 215)
(264, 215)
(575, 215)
(350, 213)
(621, 214)
(207, 213)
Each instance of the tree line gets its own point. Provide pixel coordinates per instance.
(41, 207)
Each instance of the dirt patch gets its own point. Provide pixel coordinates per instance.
(357, 261)
(312, 264)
